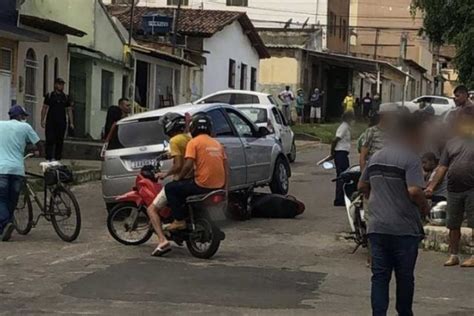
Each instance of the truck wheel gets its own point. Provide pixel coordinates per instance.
(280, 182)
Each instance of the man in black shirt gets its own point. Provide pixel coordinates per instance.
(54, 119)
(366, 105)
(114, 114)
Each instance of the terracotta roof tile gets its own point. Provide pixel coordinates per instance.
(199, 23)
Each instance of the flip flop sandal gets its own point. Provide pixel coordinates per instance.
(160, 251)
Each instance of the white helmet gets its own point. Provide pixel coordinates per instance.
(438, 214)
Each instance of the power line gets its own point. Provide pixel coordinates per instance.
(317, 14)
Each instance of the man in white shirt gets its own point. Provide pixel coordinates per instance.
(287, 97)
(340, 149)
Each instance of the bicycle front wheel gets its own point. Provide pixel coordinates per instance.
(23, 215)
(65, 214)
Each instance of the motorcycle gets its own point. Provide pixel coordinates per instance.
(354, 203)
(128, 222)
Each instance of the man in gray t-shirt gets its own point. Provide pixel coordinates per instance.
(457, 161)
(393, 183)
(389, 172)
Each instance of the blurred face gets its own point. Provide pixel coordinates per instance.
(465, 126)
(125, 107)
(460, 98)
(287, 88)
(59, 86)
(428, 165)
(350, 94)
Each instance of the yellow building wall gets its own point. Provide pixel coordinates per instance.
(279, 70)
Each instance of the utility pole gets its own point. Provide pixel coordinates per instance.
(133, 62)
(176, 26)
(376, 46)
(403, 47)
(402, 57)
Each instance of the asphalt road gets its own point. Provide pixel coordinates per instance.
(264, 267)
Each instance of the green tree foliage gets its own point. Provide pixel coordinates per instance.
(451, 22)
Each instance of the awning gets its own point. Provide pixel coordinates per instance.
(19, 34)
(50, 26)
(92, 53)
(163, 55)
(355, 63)
(368, 76)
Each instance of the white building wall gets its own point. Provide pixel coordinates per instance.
(96, 114)
(230, 43)
(57, 47)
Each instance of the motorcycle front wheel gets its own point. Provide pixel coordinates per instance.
(205, 240)
(360, 228)
(129, 225)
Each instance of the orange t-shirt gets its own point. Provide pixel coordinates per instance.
(209, 157)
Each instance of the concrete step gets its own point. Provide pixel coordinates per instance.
(437, 239)
(81, 149)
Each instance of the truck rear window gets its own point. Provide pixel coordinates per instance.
(140, 133)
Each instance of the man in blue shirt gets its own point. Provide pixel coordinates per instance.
(15, 135)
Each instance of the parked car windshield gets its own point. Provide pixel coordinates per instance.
(255, 114)
(273, 100)
(125, 135)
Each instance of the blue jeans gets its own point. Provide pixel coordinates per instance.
(341, 160)
(10, 186)
(176, 194)
(393, 253)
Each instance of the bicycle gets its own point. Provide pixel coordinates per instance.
(62, 206)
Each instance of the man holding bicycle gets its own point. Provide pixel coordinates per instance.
(15, 135)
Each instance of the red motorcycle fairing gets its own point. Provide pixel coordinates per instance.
(131, 196)
(144, 193)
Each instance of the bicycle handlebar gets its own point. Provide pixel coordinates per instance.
(29, 156)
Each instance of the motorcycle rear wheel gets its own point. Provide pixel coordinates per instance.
(129, 225)
(205, 240)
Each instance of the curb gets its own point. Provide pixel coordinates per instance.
(437, 239)
(84, 176)
(80, 177)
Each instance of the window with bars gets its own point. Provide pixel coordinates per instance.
(344, 30)
(45, 74)
(231, 73)
(253, 79)
(6, 62)
(243, 77)
(56, 68)
(176, 2)
(237, 3)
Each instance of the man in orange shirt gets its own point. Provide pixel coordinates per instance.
(204, 155)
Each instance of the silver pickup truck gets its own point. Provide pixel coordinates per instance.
(256, 159)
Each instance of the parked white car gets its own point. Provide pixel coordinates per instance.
(235, 97)
(270, 116)
(440, 104)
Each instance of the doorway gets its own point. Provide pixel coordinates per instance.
(337, 88)
(141, 92)
(31, 65)
(78, 92)
(5, 98)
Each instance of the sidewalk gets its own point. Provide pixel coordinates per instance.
(84, 170)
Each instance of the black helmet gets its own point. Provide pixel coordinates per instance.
(200, 124)
(173, 123)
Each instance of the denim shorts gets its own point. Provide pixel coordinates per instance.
(459, 204)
